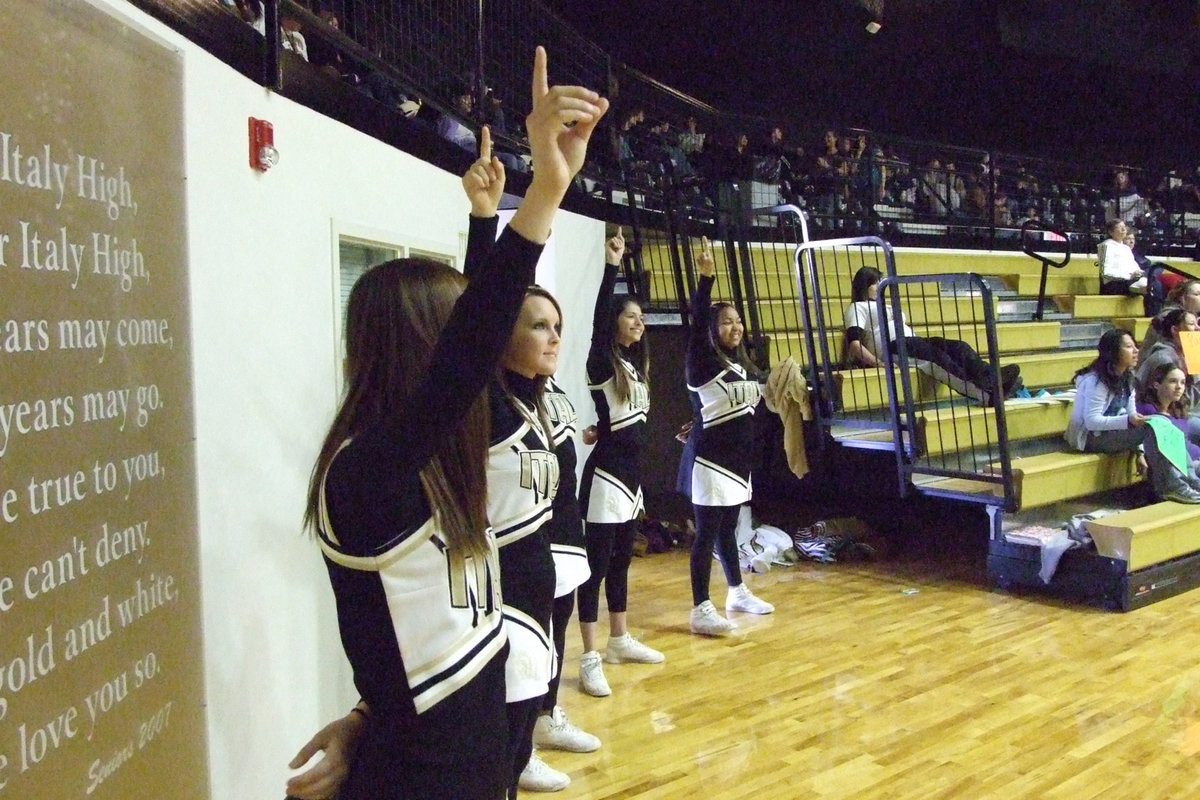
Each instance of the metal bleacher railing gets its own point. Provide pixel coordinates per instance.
(849, 182)
(757, 201)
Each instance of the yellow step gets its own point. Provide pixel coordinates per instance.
(1100, 306)
(1056, 284)
(1052, 477)
(1050, 370)
(1148, 535)
(1135, 325)
(961, 427)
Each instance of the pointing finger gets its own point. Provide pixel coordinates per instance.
(485, 144)
(541, 80)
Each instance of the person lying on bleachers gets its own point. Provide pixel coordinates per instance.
(1119, 272)
(1104, 419)
(947, 361)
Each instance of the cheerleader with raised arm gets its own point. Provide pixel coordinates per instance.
(725, 387)
(610, 493)
(533, 422)
(399, 503)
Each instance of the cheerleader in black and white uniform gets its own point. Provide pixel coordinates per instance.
(610, 493)
(725, 389)
(397, 499)
(532, 422)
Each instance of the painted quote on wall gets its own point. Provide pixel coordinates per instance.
(101, 690)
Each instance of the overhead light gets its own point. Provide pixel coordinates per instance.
(873, 26)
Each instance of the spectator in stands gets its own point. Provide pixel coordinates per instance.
(1128, 204)
(252, 13)
(932, 191)
(768, 162)
(1165, 393)
(954, 363)
(956, 189)
(1119, 272)
(1166, 281)
(691, 142)
(450, 127)
(1104, 420)
(1168, 349)
(324, 53)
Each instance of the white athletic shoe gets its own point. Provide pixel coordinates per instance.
(740, 598)
(554, 732)
(591, 675)
(707, 622)
(625, 648)
(538, 776)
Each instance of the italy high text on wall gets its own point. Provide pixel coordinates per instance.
(101, 691)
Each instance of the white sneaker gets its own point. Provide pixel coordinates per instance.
(591, 675)
(707, 622)
(540, 777)
(625, 648)
(740, 598)
(553, 732)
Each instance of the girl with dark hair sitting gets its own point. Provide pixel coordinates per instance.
(1104, 420)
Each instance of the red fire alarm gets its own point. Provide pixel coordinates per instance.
(263, 154)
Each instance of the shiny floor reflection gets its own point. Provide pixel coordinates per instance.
(886, 681)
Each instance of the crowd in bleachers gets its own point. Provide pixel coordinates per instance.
(846, 179)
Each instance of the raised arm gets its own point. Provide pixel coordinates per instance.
(483, 184)
(702, 361)
(701, 303)
(598, 365)
(468, 348)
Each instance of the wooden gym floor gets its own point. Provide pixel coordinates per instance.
(902, 678)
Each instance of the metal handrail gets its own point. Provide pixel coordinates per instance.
(1047, 263)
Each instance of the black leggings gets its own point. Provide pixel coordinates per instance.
(714, 524)
(957, 358)
(563, 606)
(609, 551)
(521, 718)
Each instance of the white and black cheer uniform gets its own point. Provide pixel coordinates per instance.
(566, 526)
(719, 454)
(522, 480)
(425, 639)
(610, 491)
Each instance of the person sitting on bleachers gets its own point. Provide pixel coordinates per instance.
(948, 361)
(1165, 392)
(1169, 350)
(1185, 295)
(1104, 419)
(1159, 281)
(1119, 272)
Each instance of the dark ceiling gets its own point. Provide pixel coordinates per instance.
(1111, 80)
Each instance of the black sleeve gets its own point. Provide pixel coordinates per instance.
(481, 237)
(703, 363)
(381, 462)
(854, 334)
(599, 365)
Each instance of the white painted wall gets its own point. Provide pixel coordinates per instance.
(260, 252)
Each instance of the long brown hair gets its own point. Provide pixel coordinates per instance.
(394, 317)
(639, 351)
(539, 381)
(1149, 392)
